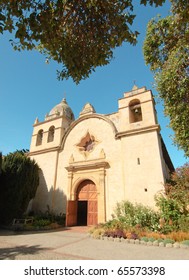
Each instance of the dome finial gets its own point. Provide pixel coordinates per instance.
(64, 98)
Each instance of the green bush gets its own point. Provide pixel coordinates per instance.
(131, 215)
(144, 238)
(183, 223)
(41, 223)
(60, 219)
(114, 224)
(19, 180)
(185, 242)
(172, 215)
(168, 241)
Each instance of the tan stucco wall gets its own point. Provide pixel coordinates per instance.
(104, 134)
(44, 196)
(141, 158)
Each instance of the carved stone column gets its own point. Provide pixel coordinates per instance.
(70, 189)
(101, 197)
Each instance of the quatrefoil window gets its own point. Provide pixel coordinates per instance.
(87, 143)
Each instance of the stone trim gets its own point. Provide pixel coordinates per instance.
(175, 245)
(80, 165)
(138, 131)
(85, 117)
(46, 150)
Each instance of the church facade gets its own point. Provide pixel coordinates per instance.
(89, 164)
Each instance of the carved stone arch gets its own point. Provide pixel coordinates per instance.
(77, 174)
(95, 116)
(83, 209)
(78, 182)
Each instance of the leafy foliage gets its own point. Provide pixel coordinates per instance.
(178, 187)
(79, 34)
(133, 215)
(174, 207)
(166, 50)
(18, 184)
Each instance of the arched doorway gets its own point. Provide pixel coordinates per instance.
(87, 204)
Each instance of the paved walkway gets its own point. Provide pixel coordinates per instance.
(75, 244)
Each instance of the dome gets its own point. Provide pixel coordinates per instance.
(62, 109)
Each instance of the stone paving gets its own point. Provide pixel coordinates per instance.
(75, 244)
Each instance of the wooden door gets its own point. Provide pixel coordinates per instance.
(87, 192)
(92, 217)
(71, 213)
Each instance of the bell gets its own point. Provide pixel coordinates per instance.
(136, 111)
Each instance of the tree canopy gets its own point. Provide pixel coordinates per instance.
(78, 34)
(166, 50)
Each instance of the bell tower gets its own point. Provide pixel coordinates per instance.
(137, 110)
(143, 154)
(48, 133)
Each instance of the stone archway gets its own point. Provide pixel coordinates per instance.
(87, 203)
(83, 210)
(88, 172)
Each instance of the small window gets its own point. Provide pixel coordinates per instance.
(135, 112)
(51, 134)
(39, 137)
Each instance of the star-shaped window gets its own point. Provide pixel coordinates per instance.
(87, 143)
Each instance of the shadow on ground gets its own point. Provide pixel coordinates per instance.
(8, 232)
(11, 252)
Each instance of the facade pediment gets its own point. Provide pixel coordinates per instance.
(87, 165)
(86, 117)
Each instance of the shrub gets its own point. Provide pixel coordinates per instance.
(131, 215)
(183, 223)
(132, 235)
(109, 233)
(168, 241)
(41, 223)
(114, 224)
(170, 212)
(178, 188)
(144, 238)
(97, 232)
(119, 233)
(185, 242)
(18, 184)
(178, 236)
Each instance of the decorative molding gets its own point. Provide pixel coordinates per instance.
(87, 144)
(47, 150)
(87, 165)
(138, 131)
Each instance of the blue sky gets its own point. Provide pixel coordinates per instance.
(29, 87)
